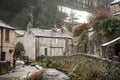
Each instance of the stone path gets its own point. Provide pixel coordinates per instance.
(19, 72)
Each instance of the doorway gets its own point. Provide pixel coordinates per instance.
(117, 49)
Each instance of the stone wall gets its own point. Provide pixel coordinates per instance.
(8, 45)
(4, 67)
(91, 67)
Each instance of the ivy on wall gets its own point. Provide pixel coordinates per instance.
(83, 37)
(107, 27)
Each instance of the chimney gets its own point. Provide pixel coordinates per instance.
(63, 29)
(29, 27)
(54, 29)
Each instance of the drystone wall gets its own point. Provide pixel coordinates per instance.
(4, 67)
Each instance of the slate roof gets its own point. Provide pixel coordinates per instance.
(4, 25)
(116, 13)
(20, 32)
(44, 33)
(115, 1)
(49, 33)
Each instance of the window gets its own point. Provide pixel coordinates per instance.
(3, 56)
(7, 36)
(45, 51)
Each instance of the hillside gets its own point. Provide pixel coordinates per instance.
(87, 5)
(17, 13)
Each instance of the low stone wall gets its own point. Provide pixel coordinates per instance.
(90, 67)
(4, 67)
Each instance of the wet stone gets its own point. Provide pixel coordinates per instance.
(53, 74)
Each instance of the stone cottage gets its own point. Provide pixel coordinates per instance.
(6, 42)
(115, 8)
(44, 42)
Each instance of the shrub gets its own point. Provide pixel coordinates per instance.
(83, 37)
(18, 48)
(77, 30)
(107, 27)
(76, 69)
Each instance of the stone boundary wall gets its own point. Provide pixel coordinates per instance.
(110, 70)
(4, 67)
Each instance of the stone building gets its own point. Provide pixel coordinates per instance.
(6, 42)
(115, 8)
(111, 48)
(44, 42)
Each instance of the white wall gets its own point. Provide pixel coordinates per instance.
(28, 41)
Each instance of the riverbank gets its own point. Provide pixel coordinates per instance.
(85, 67)
(65, 70)
(54, 74)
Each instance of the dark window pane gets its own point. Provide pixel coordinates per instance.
(7, 35)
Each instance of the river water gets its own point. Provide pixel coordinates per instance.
(53, 74)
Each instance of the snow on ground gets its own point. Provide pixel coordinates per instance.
(75, 15)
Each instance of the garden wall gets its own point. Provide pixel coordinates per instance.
(4, 67)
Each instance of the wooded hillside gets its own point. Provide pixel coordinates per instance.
(17, 13)
(45, 13)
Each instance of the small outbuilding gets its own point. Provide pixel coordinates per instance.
(111, 48)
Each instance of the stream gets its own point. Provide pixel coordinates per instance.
(53, 74)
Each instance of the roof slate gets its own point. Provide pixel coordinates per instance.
(48, 33)
(44, 33)
(20, 32)
(4, 25)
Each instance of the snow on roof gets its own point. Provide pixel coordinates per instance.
(115, 1)
(20, 32)
(75, 15)
(108, 43)
(49, 33)
(91, 29)
(4, 25)
(118, 13)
